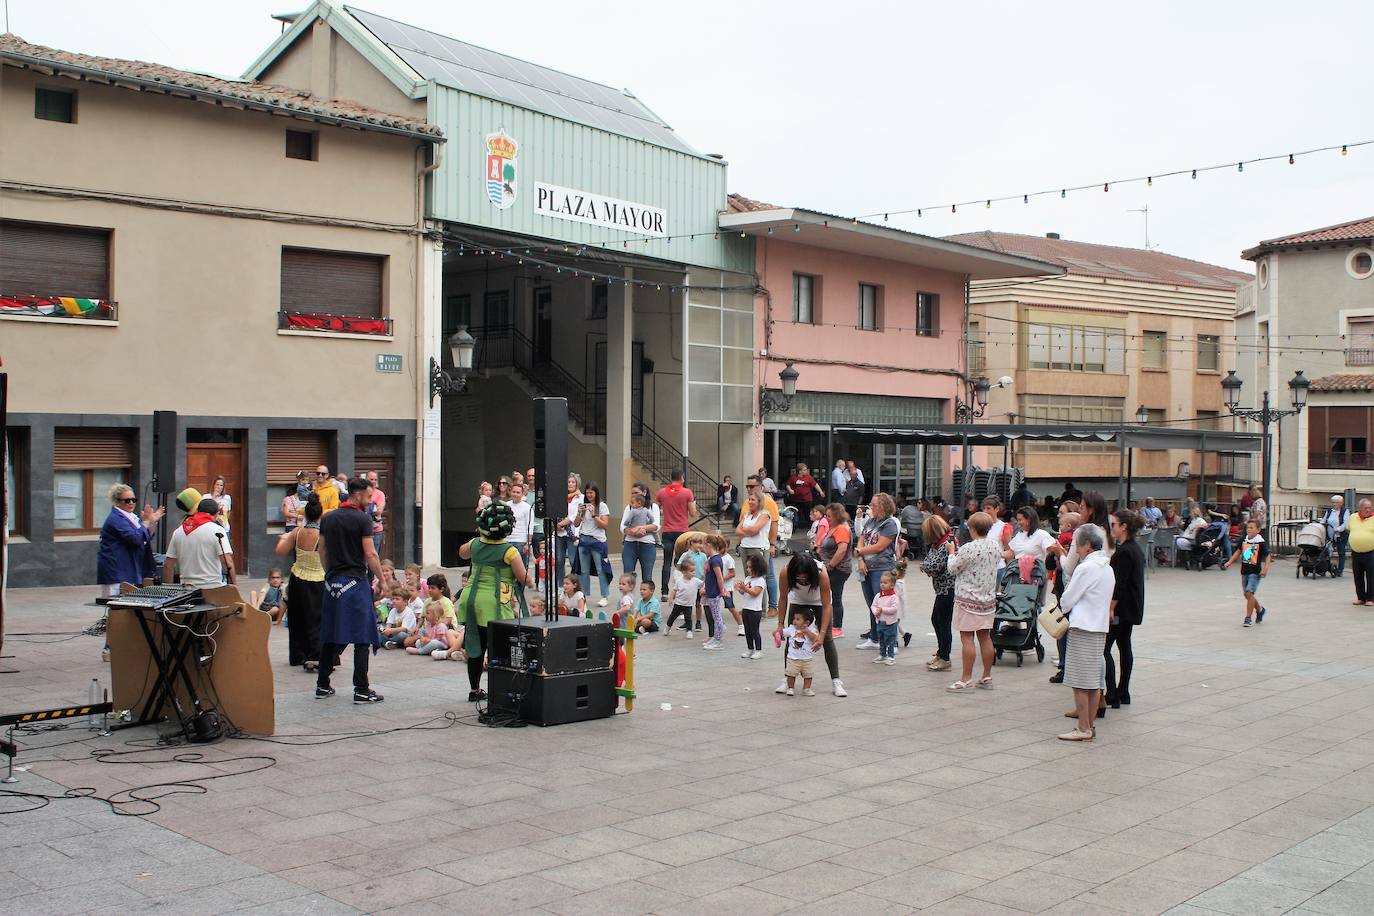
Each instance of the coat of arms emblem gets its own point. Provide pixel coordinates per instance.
(501, 181)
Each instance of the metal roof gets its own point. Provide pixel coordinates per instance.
(998, 433)
(518, 82)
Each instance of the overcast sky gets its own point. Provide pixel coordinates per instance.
(864, 107)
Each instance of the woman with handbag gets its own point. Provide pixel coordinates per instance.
(1128, 603)
(935, 531)
(1087, 600)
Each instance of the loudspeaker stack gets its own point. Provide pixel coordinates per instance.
(549, 672)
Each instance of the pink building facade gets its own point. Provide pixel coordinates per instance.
(873, 321)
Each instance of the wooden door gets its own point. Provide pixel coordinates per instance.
(385, 466)
(205, 462)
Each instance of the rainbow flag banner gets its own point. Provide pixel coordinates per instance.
(56, 307)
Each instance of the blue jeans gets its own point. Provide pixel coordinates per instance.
(639, 554)
(871, 582)
(563, 550)
(591, 560)
(887, 639)
(772, 584)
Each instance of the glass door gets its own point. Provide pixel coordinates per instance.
(898, 471)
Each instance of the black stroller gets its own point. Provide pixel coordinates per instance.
(1015, 626)
(1210, 547)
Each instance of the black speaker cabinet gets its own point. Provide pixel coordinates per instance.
(567, 645)
(553, 700)
(164, 451)
(550, 454)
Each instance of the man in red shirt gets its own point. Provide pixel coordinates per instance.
(802, 489)
(678, 507)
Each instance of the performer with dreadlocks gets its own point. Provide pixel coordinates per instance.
(495, 588)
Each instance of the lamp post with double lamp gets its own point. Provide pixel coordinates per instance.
(460, 345)
(967, 409)
(1265, 414)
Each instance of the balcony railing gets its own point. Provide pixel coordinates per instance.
(1341, 461)
(1235, 466)
(292, 320)
(1359, 356)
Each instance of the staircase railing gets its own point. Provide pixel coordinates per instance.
(506, 347)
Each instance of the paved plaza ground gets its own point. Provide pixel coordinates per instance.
(1241, 780)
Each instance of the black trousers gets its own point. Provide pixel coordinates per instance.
(837, 582)
(1119, 635)
(303, 600)
(329, 654)
(679, 610)
(942, 620)
(1362, 564)
(475, 664)
(752, 620)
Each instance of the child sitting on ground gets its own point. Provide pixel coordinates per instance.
(438, 593)
(800, 638)
(536, 605)
(381, 586)
(273, 603)
(571, 601)
(686, 589)
(402, 621)
(413, 578)
(627, 594)
(886, 611)
(432, 639)
(645, 610)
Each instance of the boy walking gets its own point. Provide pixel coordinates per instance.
(1254, 566)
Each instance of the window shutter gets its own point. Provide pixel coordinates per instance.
(331, 283)
(81, 449)
(292, 450)
(38, 259)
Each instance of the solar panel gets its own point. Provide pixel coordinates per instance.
(508, 79)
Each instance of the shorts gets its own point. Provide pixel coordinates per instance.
(800, 667)
(1249, 583)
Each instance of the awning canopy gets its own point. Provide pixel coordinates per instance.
(1000, 433)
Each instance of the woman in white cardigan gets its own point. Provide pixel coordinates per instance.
(1088, 601)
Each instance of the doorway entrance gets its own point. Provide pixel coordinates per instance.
(543, 326)
(223, 457)
(378, 453)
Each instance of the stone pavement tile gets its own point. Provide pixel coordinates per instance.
(1031, 890)
(1105, 864)
(922, 886)
(587, 843)
(602, 871)
(502, 836)
(497, 866)
(957, 834)
(1242, 844)
(55, 828)
(207, 900)
(312, 905)
(897, 792)
(282, 856)
(76, 898)
(630, 898)
(951, 777)
(922, 812)
(311, 826)
(705, 877)
(850, 903)
(802, 884)
(264, 888)
(990, 861)
(395, 889)
(1149, 842)
(671, 823)
(889, 857)
(171, 879)
(833, 808)
(1050, 839)
(1196, 822)
(746, 805)
(859, 831)
(687, 848)
(1299, 872)
(1138, 895)
(513, 894)
(763, 828)
(787, 853)
(13, 885)
(1189, 867)
(572, 819)
(1362, 876)
(1337, 847)
(1345, 898)
(322, 876)
(1242, 896)
(968, 905)
(738, 899)
(1287, 825)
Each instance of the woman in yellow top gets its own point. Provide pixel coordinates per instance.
(1361, 543)
(305, 590)
(494, 590)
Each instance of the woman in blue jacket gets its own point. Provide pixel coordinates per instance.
(126, 541)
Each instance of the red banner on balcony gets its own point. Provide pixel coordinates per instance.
(55, 306)
(336, 323)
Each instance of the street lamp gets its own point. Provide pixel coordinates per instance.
(768, 403)
(1265, 414)
(460, 345)
(1142, 415)
(966, 411)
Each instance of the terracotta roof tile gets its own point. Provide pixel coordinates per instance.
(1361, 381)
(1092, 260)
(738, 203)
(1358, 230)
(17, 52)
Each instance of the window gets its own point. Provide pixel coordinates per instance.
(54, 105)
(289, 451)
(868, 307)
(601, 295)
(1208, 352)
(977, 348)
(457, 313)
(1262, 273)
(720, 354)
(335, 283)
(803, 301)
(1338, 438)
(16, 481)
(302, 144)
(86, 463)
(496, 309)
(1360, 263)
(1209, 420)
(42, 259)
(1359, 342)
(1075, 348)
(1067, 410)
(1154, 350)
(927, 314)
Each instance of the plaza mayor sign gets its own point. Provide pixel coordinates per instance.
(585, 207)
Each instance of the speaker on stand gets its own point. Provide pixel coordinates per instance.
(164, 464)
(550, 483)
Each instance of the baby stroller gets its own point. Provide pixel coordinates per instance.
(1314, 551)
(1014, 623)
(787, 523)
(1210, 547)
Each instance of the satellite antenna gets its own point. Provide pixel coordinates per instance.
(1144, 211)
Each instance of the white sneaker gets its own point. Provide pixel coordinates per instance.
(782, 688)
(712, 644)
(838, 686)
(808, 692)
(791, 692)
(879, 660)
(601, 603)
(889, 661)
(741, 629)
(439, 656)
(756, 654)
(866, 644)
(691, 635)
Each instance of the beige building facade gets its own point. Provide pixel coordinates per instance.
(1121, 329)
(234, 275)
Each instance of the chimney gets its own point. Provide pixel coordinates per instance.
(1051, 235)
